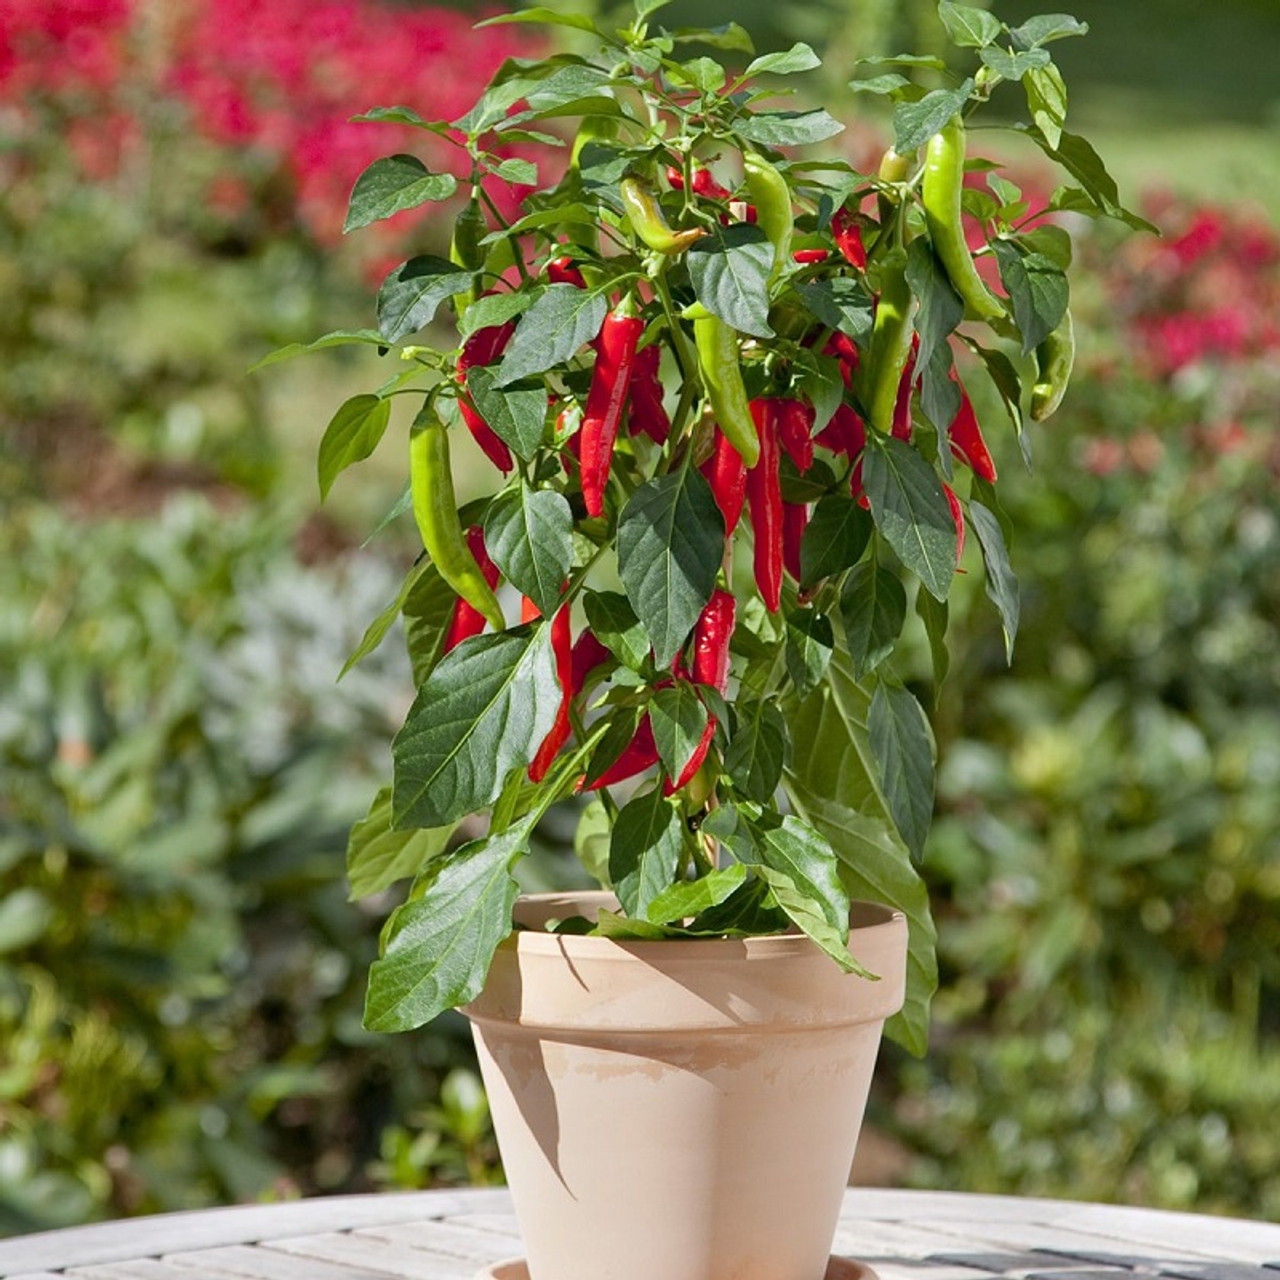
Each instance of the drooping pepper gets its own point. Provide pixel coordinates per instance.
(646, 412)
(564, 271)
(967, 442)
(806, 256)
(795, 431)
(846, 352)
(717, 346)
(670, 786)
(957, 514)
(772, 198)
(562, 647)
(588, 653)
(436, 511)
(795, 519)
(878, 378)
(610, 382)
(764, 501)
(644, 213)
(901, 429)
(844, 434)
(495, 448)
(1054, 359)
(848, 237)
(711, 635)
(704, 183)
(640, 753)
(482, 348)
(466, 620)
(726, 473)
(940, 194)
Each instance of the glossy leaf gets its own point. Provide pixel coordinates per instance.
(529, 536)
(800, 57)
(614, 621)
(834, 539)
(1002, 586)
(378, 854)
(692, 897)
(352, 435)
(1038, 290)
(563, 319)
(411, 294)
(789, 128)
(914, 123)
(809, 646)
(679, 718)
(903, 752)
(645, 849)
(873, 608)
(967, 26)
(391, 185)
(730, 274)
(338, 338)
(516, 413)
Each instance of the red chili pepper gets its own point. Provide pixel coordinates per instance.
(795, 519)
(842, 347)
(669, 788)
(562, 647)
(610, 382)
(646, 413)
(711, 635)
(588, 654)
(564, 271)
(795, 430)
(764, 500)
(901, 428)
(957, 514)
(482, 348)
(967, 442)
(468, 621)
(726, 473)
(848, 238)
(806, 256)
(485, 436)
(704, 183)
(641, 753)
(485, 345)
(845, 433)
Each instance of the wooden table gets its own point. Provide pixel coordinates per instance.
(447, 1235)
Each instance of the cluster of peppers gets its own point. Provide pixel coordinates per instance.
(748, 437)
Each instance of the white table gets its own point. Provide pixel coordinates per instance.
(447, 1235)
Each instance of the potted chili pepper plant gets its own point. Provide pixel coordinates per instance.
(722, 383)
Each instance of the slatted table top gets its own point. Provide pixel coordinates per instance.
(447, 1235)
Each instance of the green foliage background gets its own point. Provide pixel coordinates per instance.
(180, 972)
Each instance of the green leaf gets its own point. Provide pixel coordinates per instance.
(800, 57)
(940, 400)
(518, 171)
(914, 123)
(934, 614)
(377, 630)
(1047, 101)
(351, 436)
(1013, 66)
(644, 8)
(758, 751)
(1037, 288)
(941, 307)
(809, 646)
(614, 621)
(563, 319)
(693, 897)
(903, 751)
(412, 292)
(969, 27)
(884, 86)
(789, 128)
(832, 785)
(391, 185)
(1005, 379)
(547, 17)
(704, 74)
(644, 852)
(730, 274)
(1045, 27)
(751, 910)
(873, 608)
(800, 868)
(1051, 241)
(670, 542)
(529, 536)
(911, 511)
(621, 728)
(483, 711)
(1083, 163)
(378, 855)
(591, 841)
(679, 718)
(441, 943)
(808, 486)
(835, 538)
(493, 309)
(728, 35)
(840, 303)
(517, 413)
(1002, 586)
(428, 610)
(404, 115)
(338, 338)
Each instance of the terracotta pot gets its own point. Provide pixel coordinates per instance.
(682, 1110)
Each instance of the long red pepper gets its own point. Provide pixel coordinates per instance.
(842, 347)
(563, 271)
(645, 412)
(562, 647)
(640, 753)
(845, 433)
(482, 348)
(466, 620)
(610, 382)
(726, 473)
(848, 238)
(795, 431)
(764, 500)
(795, 519)
(711, 635)
(967, 442)
(704, 183)
(957, 514)
(588, 654)
(484, 435)
(670, 787)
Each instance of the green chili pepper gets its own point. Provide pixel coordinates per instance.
(896, 167)
(1054, 358)
(772, 198)
(644, 213)
(879, 376)
(940, 192)
(436, 511)
(717, 347)
(465, 249)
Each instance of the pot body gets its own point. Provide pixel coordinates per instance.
(683, 1110)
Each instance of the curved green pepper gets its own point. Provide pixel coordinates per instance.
(644, 213)
(1054, 358)
(879, 375)
(772, 198)
(717, 347)
(436, 511)
(940, 193)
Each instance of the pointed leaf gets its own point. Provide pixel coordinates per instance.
(1002, 586)
(1047, 99)
(1045, 27)
(351, 436)
(670, 541)
(835, 538)
(529, 536)
(967, 26)
(563, 319)
(730, 274)
(516, 413)
(789, 128)
(441, 943)
(914, 123)
(679, 719)
(428, 610)
(1038, 290)
(391, 185)
(800, 57)
(692, 897)
(934, 614)
(873, 607)
(758, 751)
(378, 855)
(941, 308)
(644, 852)
(1013, 66)
(548, 17)
(377, 630)
(412, 292)
(616, 626)
(903, 751)
(483, 711)
(810, 643)
(840, 303)
(338, 338)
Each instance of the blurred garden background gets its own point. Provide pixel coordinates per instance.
(181, 974)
